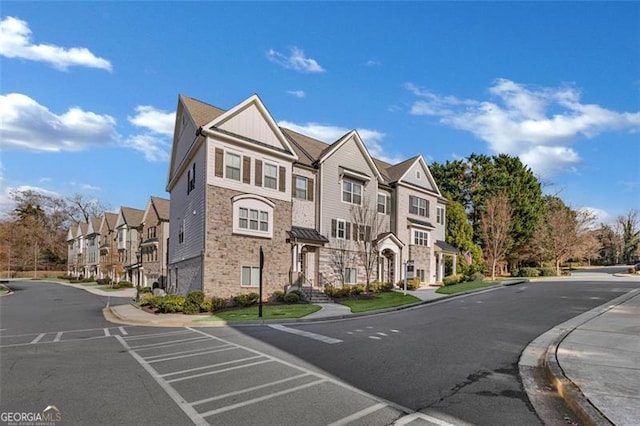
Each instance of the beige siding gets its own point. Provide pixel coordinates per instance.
(186, 137)
(250, 123)
(419, 177)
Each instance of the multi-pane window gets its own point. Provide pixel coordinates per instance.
(255, 220)
(383, 203)
(350, 275)
(351, 192)
(440, 215)
(270, 176)
(232, 163)
(151, 232)
(420, 274)
(250, 276)
(301, 187)
(418, 206)
(420, 238)
(341, 229)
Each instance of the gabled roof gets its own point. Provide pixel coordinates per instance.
(397, 171)
(94, 225)
(352, 135)
(81, 230)
(130, 217)
(201, 112)
(160, 206)
(109, 220)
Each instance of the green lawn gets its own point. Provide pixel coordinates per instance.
(268, 312)
(472, 285)
(379, 301)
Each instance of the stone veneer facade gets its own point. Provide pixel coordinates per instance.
(226, 252)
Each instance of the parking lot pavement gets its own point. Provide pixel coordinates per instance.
(216, 381)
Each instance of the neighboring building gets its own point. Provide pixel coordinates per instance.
(240, 183)
(154, 241)
(92, 261)
(109, 264)
(77, 250)
(128, 239)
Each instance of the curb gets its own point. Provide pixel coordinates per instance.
(568, 391)
(9, 291)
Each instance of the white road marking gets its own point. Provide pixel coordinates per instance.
(355, 416)
(122, 331)
(380, 333)
(235, 361)
(107, 333)
(251, 389)
(202, 352)
(260, 399)
(411, 417)
(375, 337)
(167, 344)
(58, 336)
(152, 335)
(394, 331)
(37, 339)
(221, 347)
(224, 370)
(319, 337)
(196, 418)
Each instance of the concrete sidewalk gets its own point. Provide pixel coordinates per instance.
(595, 365)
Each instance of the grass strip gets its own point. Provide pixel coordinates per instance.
(379, 301)
(268, 312)
(472, 285)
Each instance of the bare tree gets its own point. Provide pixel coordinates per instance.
(339, 258)
(495, 226)
(628, 228)
(367, 227)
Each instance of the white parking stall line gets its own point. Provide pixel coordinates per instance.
(221, 347)
(123, 331)
(107, 333)
(315, 336)
(152, 335)
(167, 344)
(414, 416)
(58, 336)
(220, 364)
(196, 418)
(209, 373)
(37, 339)
(202, 352)
(262, 398)
(355, 416)
(251, 389)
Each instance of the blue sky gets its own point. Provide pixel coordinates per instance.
(89, 89)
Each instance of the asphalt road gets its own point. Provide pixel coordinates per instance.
(455, 360)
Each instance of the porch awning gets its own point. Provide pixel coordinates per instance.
(306, 235)
(446, 247)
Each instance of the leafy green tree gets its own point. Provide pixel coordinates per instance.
(459, 234)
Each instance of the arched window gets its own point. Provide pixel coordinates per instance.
(252, 215)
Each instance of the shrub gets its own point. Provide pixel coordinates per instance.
(103, 281)
(277, 296)
(244, 300)
(452, 279)
(378, 287)
(291, 297)
(631, 270)
(547, 272)
(357, 289)
(331, 291)
(527, 272)
(413, 284)
(145, 290)
(74, 281)
(218, 303)
(146, 299)
(123, 284)
(192, 302)
(476, 276)
(172, 303)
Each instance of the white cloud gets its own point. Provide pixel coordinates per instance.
(7, 204)
(372, 63)
(329, 134)
(154, 120)
(295, 61)
(537, 124)
(15, 42)
(154, 148)
(25, 124)
(599, 216)
(297, 93)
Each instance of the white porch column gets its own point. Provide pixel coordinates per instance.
(455, 263)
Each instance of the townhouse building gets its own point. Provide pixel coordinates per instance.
(155, 233)
(77, 250)
(128, 231)
(322, 214)
(92, 261)
(109, 259)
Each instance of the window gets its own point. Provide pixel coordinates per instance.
(232, 163)
(418, 175)
(350, 275)
(250, 276)
(341, 229)
(420, 238)
(191, 179)
(301, 187)
(253, 215)
(351, 192)
(420, 274)
(440, 215)
(384, 204)
(151, 232)
(418, 206)
(181, 234)
(270, 176)
(255, 220)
